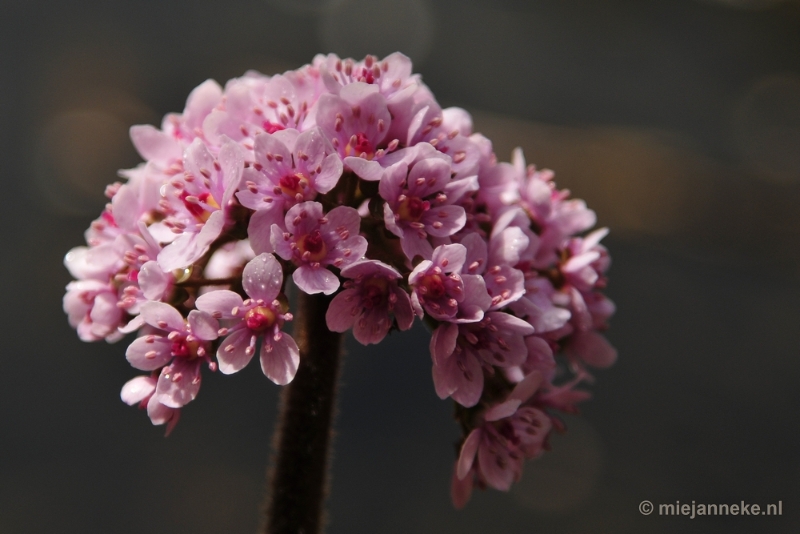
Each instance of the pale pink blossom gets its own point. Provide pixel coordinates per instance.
(356, 121)
(290, 168)
(178, 348)
(420, 202)
(314, 240)
(140, 390)
(260, 318)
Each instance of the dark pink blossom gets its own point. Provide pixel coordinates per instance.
(368, 299)
(461, 352)
(493, 452)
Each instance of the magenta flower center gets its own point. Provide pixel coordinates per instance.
(434, 286)
(412, 209)
(259, 318)
(271, 127)
(361, 146)
(196, 209)
(181, 348)
(294, 184)
(314, 245)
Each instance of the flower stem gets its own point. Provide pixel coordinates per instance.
(298, 484)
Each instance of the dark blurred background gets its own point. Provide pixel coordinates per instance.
(678, 122)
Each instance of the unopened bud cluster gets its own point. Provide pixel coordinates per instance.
(348, 177)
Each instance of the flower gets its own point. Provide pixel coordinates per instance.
(367, 300)
(314, 240)
(259, 318)
(347, 179)
(177, 347)
(290, 168)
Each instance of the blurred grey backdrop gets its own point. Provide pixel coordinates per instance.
(678, 122)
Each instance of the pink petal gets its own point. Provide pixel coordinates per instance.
(430, 169)
(370, 267)
(443, 342)
(402, 309)
(454, 256)
(280, 364)
(476, 299)
(275, 167)
(370, 171)
(340, 316)
(280, 245)
(460, 490)
(525, 389)
(497, 477)
(442, 379)
(593, 348)
(330, 173)
(390, 185)
(506, 321)
(467, 455)
(159, 414)
(356, 244)
(414, 246)
(133, 325)
(502, 410)
(451, 218)
(203, 325)
(178, 383)
(372, 326)
(153, 144)
(540, 355)
(313, 280)
(221, 301)
(201, 101)
(262, 278)
(231, 159)
(309, 222)
(469, 389)
(153, 281)
(343, 216)
(163, 316)
(188, 248)
(137, 389)
(149, 356)
(475, 262)
(231, 355)
(259, 229)
(507, 246)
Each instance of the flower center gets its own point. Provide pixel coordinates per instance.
(362, 145)
(314, 245)
(373, 292)
(259, 318)
(294, 184)
(185, 349)
(413, 208)
(196, 208)
(434, 284)
(272, 127)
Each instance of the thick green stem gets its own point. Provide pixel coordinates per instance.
(299, 478)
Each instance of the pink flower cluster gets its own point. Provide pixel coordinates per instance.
(348, 177)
